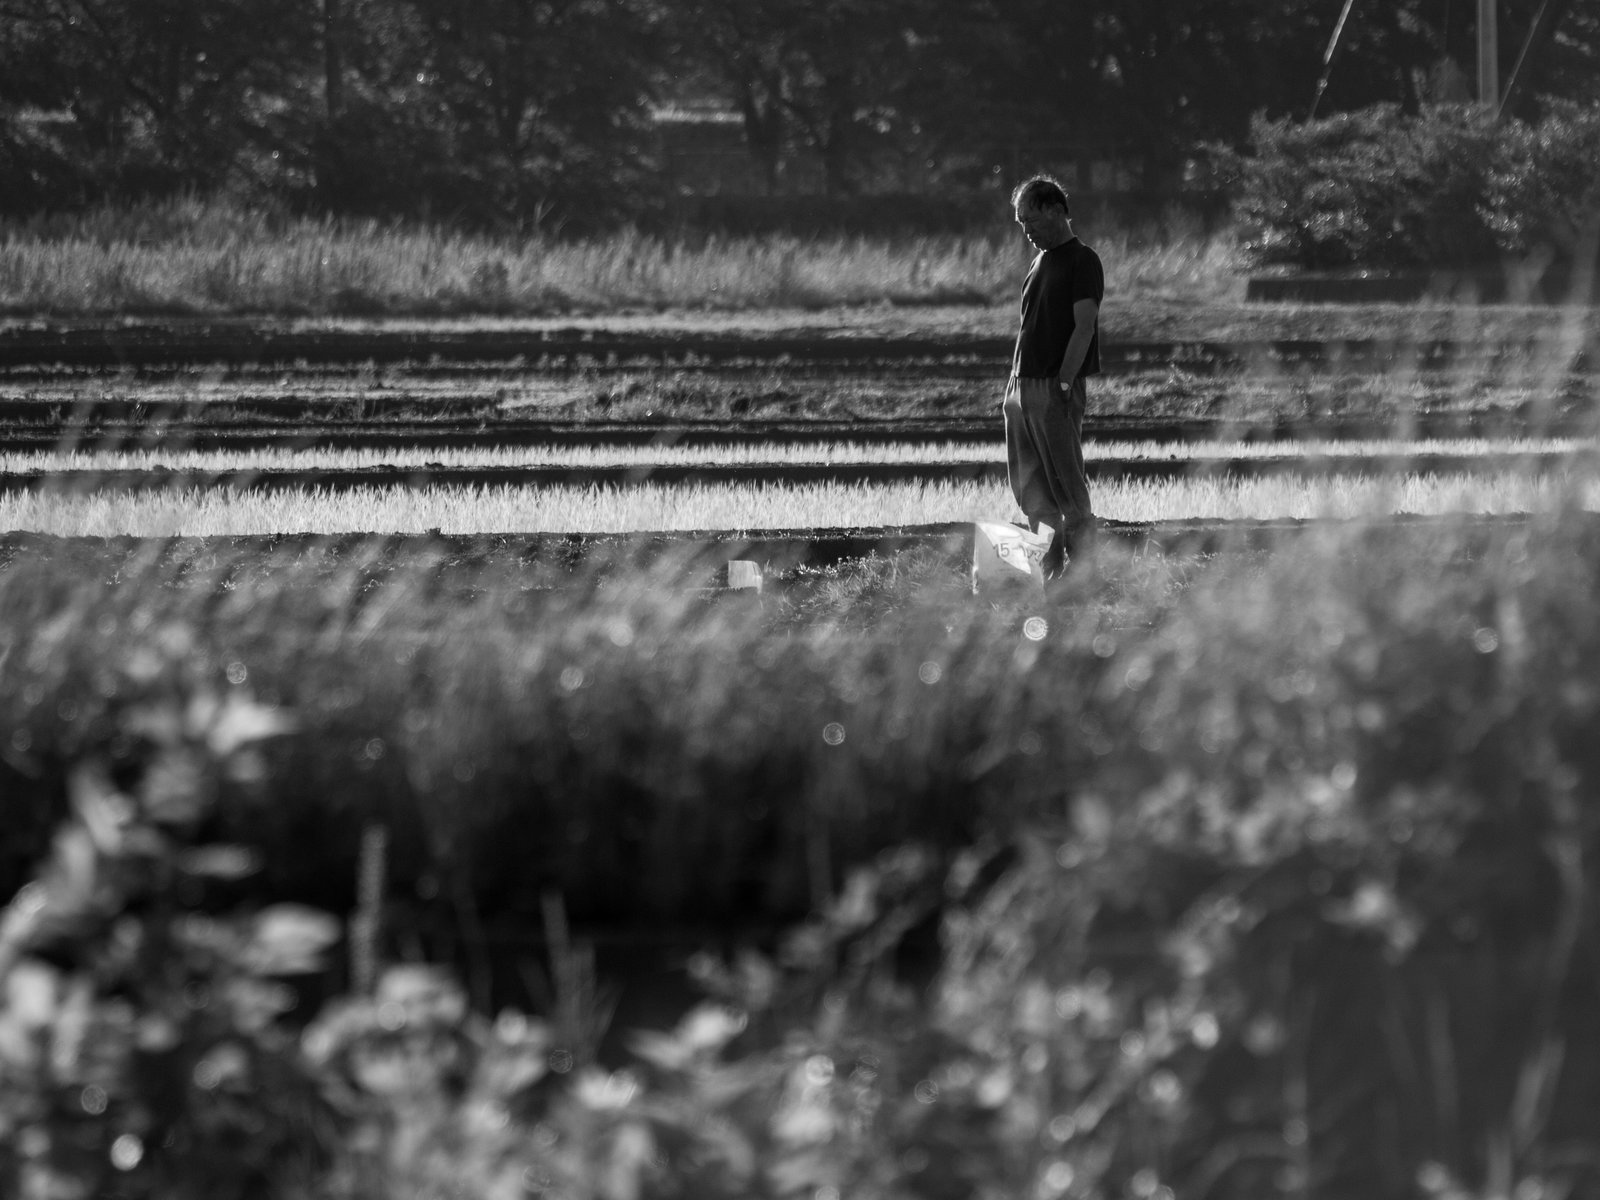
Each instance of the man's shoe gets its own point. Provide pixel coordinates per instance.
(1054, 562)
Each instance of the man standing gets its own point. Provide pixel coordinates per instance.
(1058, 347)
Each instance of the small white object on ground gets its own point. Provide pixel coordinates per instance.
(743, 573)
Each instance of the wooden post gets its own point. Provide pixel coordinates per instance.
(1488, 55)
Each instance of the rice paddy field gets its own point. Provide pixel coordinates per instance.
(672, 508)
(404, 779)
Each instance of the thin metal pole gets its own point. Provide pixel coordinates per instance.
(1545, 23)
(1488, 54)
(1327, 57)
(332, 61)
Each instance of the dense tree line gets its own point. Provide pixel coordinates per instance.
(538, 110)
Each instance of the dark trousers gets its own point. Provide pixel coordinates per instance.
(1044, 451)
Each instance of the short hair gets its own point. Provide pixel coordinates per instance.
(1042, 191)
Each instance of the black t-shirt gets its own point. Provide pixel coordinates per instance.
(1058, 279)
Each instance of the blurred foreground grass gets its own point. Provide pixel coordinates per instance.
(654, 755)
(1263, 872)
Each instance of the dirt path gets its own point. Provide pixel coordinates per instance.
(548, 558)
(1125, 320)
(563, 348)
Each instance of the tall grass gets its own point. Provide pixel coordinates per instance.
(197, 257)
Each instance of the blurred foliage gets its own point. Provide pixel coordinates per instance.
(1450, 186)
(493, 113)
(1276, 882)
(142, 1050)
(535, 114)
(501, 111)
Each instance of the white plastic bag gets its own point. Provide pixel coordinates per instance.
(1007, 558)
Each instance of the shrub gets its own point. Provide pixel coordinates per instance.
(1544, 193)
(1449, 187)
(1372, 187)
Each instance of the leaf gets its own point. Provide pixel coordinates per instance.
(70, 885)
(722, 1085)
(803, 1170)
(342, 1024)
(726, 1143)
(20, 921)
(157, 1033)
(255, 1004)
(709, 1027)
(857, 907)
(176, 788)
(219, 862)
(422, 993)
(804, 1120)
(664, 1050)
(33, 990)
(239, 721)
(631, 1149)
(248, 766)
(384, 1070)
(289, 939)
(599, 1091)
(160, 723)
(225, 1065)
(507, 1071)
(103, 811)
(1093, 818)
(71, 1020)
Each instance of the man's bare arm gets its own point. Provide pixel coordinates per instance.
(1084, 315)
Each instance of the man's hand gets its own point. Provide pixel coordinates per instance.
(1084, 315)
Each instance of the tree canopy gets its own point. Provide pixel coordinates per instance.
(531, 111)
